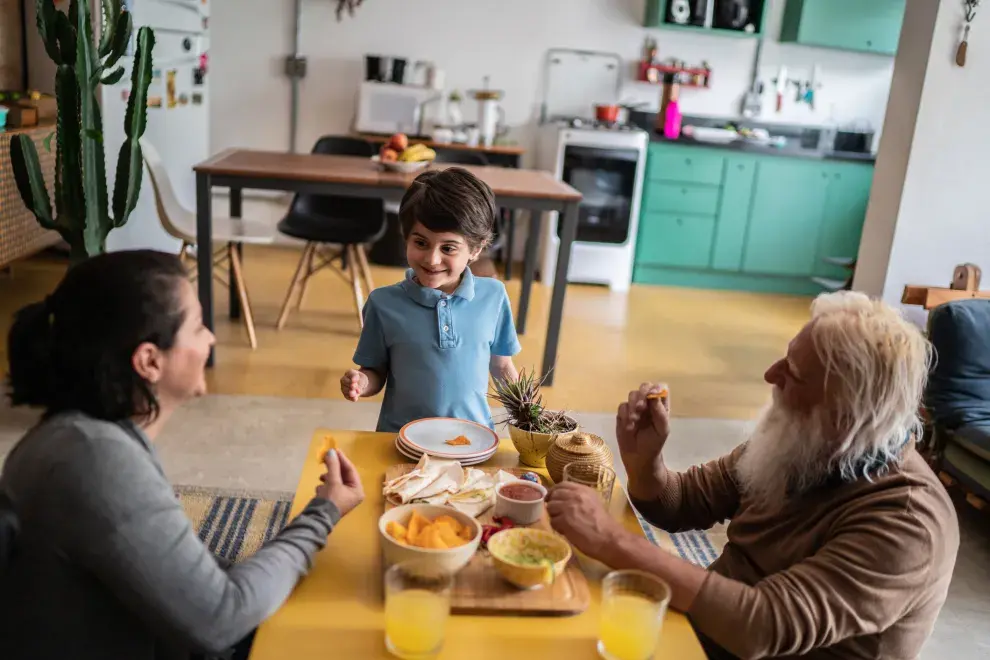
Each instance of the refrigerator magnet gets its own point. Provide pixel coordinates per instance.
(197, 98)
(170, 88)
(156, 74)
(154, 101)
(125, 94)
(183, 99)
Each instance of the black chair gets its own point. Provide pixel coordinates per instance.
(328, 221)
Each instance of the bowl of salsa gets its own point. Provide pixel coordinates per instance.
(520, 501)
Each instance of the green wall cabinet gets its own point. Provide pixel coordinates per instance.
(714, 218)
(872, 26)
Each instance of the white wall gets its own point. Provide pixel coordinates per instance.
(506, 39)
(930, 203)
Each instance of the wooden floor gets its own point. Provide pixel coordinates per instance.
(712, 347)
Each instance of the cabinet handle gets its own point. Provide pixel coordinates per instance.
(741, 167)
(824, 175)
(680, 222)
(683, 191)
(838, 176)
(687, 161)
(869, 44)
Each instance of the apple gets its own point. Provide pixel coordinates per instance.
(399, 142)
(389, 155)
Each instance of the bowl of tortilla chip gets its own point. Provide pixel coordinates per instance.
(439, 538)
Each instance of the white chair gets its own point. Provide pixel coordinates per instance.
(228, 233)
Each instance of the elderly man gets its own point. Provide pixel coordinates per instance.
(841, 541)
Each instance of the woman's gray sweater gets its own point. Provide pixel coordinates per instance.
(108, 565)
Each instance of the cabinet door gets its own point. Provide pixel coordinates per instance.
(847, 197)
(865, 25)
(787, 213)
(670, 239)
(733, 213)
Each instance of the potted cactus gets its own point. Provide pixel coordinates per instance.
(83, 213)
(532, 428)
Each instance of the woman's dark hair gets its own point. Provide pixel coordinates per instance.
(73, 351)
(450, 200)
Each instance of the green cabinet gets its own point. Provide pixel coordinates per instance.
(846, 200)
(657, 17)
(670, 239)
(872, 26)
(733, 214)
(788, 207)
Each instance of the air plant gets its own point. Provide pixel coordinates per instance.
(524, 407)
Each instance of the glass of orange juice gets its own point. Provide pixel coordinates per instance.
(634, 604)
(417, 606)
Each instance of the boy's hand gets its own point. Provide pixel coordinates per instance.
(353, 384)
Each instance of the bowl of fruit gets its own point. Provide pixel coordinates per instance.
(397, 155)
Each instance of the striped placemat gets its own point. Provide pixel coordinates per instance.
(234, 524)
(698, 547)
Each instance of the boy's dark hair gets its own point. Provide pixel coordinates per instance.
(73, 350)
(452, 200)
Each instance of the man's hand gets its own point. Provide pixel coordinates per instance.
(341, 483)
(641, 427)
(354, 384)
(578, 513)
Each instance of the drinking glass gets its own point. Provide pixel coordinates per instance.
(417, 606)
(634, 604)
(599, 477)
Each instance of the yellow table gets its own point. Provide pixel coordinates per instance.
(337, 611)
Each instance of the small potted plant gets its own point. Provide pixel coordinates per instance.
(532, 428)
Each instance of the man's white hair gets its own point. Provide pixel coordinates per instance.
(876, 366)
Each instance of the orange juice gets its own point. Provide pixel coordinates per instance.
(414, 623)
(630, 627)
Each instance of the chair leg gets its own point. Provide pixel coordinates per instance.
(296, 281)
(238, 275)
(305, 282)
(352, 264)
(362, 259)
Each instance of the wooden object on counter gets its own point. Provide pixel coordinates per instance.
(11, 43)
(20, 115)
(479, 589)
(965, 284)
(20, 234)
(511, 150)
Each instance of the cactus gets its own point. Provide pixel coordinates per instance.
(81, 213)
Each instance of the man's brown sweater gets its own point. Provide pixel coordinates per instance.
(850, 570)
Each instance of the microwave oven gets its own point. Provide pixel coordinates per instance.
(387, 108)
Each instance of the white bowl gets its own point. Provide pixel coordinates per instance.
(403, 167)
(442, 561)
(524, 512)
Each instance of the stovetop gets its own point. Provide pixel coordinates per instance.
(595, 125)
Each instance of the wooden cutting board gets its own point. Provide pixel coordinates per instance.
(479, 589)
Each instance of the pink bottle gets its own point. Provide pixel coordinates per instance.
(672, 120)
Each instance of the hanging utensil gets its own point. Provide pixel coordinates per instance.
(752, 104)
(971, 6)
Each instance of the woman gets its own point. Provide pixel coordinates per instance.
(106, 563)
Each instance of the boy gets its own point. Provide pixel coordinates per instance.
(432, 340)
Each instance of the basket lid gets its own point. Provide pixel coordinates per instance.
(582, 445)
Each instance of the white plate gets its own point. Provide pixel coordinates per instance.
(403, 167)
(429, 436)
(465, 462)
(412, 449)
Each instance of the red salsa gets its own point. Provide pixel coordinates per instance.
(521, 492)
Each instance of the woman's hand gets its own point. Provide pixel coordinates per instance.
(341, 483)
(354, 384)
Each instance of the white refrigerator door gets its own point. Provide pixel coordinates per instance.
(178, 127)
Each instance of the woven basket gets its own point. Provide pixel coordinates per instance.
(20, 234)
(578, 448)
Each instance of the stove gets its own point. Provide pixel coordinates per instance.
(606, 162)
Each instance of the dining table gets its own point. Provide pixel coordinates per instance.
(533, 190)
(337, 610)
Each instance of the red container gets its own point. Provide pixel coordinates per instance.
(608, 113)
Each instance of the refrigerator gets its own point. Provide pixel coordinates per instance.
(178, 112)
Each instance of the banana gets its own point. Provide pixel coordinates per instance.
(417, 152)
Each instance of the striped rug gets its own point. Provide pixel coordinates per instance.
(234, 524)
(701, 547)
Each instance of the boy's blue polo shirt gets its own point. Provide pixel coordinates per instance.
(435, 349)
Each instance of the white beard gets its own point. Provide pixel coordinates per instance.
(786, 455)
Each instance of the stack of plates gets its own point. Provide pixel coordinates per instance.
(429, 436)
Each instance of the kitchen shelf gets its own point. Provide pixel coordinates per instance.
(661, 69)
(656, 13)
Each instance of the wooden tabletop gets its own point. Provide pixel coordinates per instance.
(248, 164)
(506, 149)
(338, 609)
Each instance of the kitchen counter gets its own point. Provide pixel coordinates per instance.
(744, 146)
(502, 149)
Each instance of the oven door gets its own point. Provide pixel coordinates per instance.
(606, 178)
